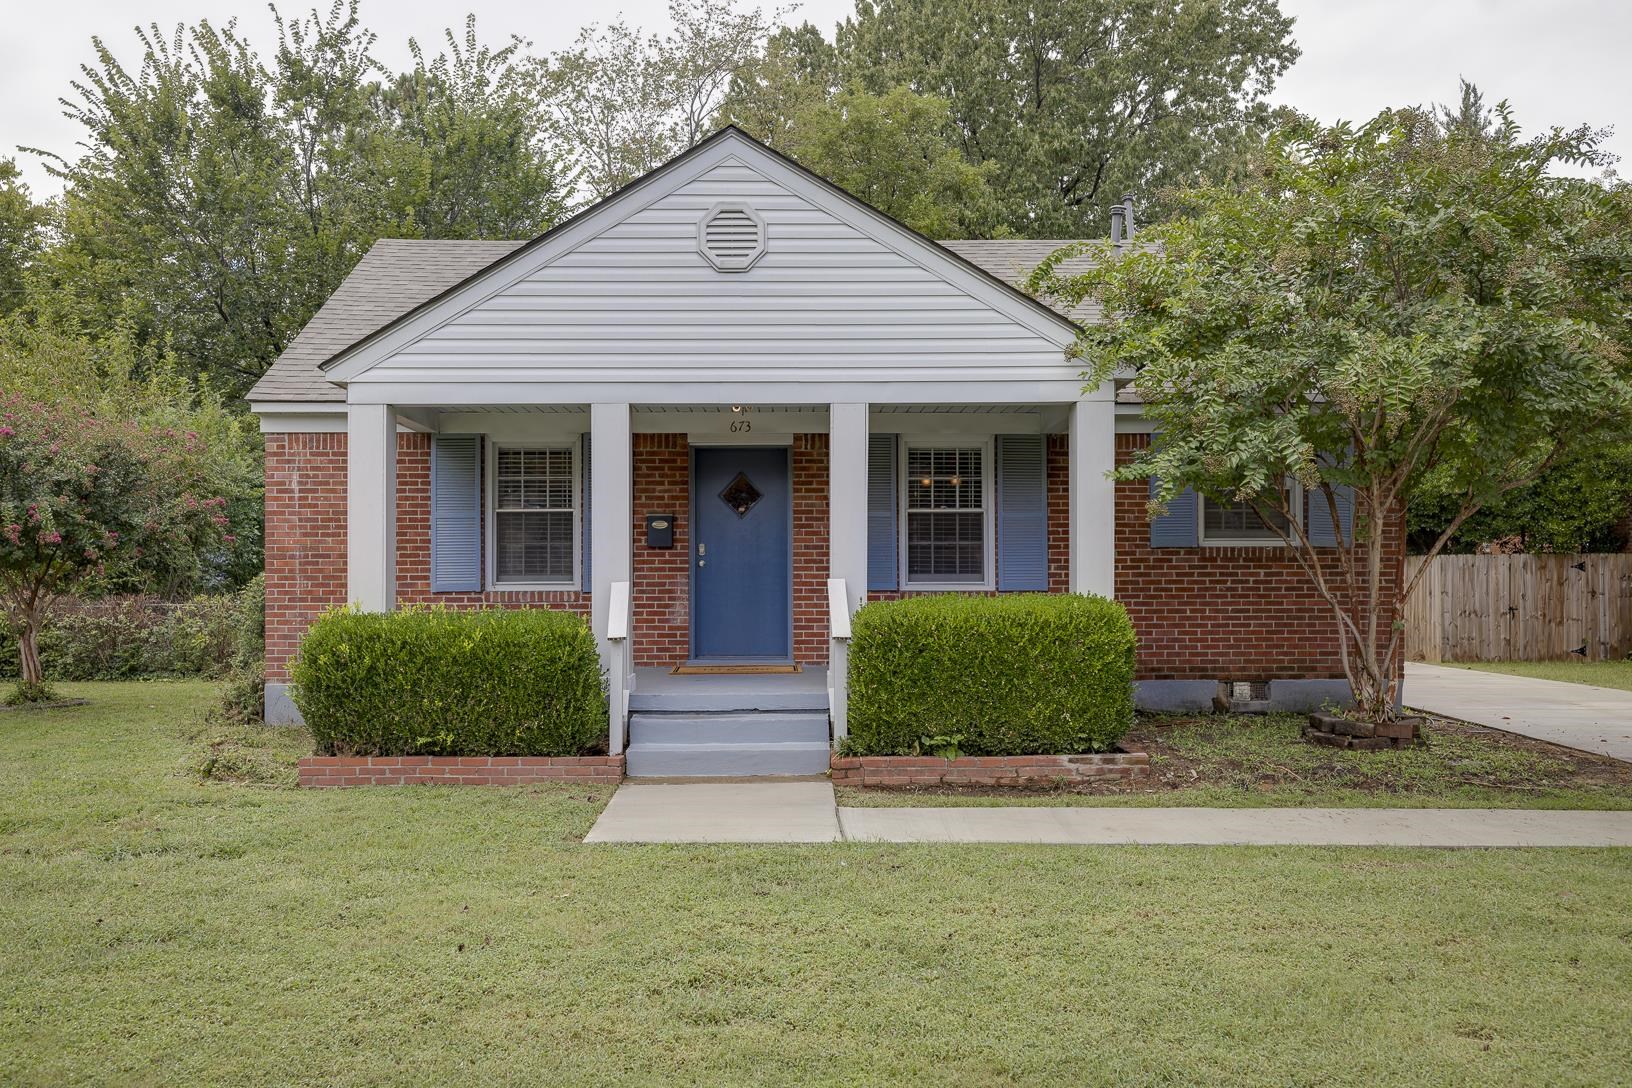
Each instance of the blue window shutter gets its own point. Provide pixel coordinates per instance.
(456, 513)
(881, 508)
(1180, 527)
(1320, 515)
(583, 513)
(1022, 513)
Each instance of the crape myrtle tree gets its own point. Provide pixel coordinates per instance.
(83, 496)
(1385, 311)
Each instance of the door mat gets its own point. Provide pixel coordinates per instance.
(731, 670)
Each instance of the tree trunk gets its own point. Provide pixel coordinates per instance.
(28, 649)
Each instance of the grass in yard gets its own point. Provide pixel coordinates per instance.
(1604, 674)
(1257, 761)
(163, 928)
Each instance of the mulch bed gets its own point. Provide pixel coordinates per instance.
(1173, 768)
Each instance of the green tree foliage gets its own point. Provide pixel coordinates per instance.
(111, 377)
(23, 226)
(1581, 504)
(1403, 309)
(219, 201)
(896, 151)
(1076, 102)
(795, 75)
(622, 101)
(85, 494)
(467, 158)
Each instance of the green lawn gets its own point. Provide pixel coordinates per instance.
(1262, 761)
(1604, 674)
(162, 930)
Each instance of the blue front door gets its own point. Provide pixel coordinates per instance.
(742, 553)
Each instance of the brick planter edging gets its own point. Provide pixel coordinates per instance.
(987, 770)
(329, 771)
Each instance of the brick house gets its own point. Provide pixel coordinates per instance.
(716, 412)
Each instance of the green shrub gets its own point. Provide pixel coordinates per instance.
(429, 681)
(135, 637)
(987, 676)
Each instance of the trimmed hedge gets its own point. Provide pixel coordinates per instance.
(1017, 674)
(434, 682)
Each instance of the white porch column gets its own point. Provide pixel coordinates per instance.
(1093, 497)
(371, 507)
(847, 498)
(846, 546)
(611, 519)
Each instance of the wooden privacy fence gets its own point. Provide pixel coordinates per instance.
(1520, 608)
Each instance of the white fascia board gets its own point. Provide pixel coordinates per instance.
(517, 427)
(298, 417)
(932, 424)
(1131, 419)
(355, 363)
(748, 423)
(434, 394)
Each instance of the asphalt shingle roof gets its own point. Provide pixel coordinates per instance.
(394, 276)
(1013, 260)
(397, 275)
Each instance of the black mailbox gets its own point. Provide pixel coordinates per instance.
(660, 530)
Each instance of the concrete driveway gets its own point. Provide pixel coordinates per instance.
(1575, 715)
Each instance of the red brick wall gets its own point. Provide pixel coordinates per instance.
(810, 558)
(662, 577)
(1057, 481)
(414, 543)
(305, 538)
(1214, 613)
(1221, 613)
(662, 589)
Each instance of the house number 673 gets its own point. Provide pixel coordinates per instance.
(741, 426)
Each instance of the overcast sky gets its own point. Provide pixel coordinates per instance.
(1561, 62)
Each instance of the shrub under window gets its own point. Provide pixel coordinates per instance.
(1010, 675)
(423, 681)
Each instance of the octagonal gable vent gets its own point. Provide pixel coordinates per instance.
(731, 237)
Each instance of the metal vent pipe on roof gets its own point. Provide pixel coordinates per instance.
(1117, 211)
(1127, 216)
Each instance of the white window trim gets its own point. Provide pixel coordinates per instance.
(988, 505)
(1269, 541)
(490, 503)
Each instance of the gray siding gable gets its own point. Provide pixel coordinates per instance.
(840, 294)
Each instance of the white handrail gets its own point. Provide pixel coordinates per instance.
(620, 676)
(617, 612)
(838, 657)
(838, 608)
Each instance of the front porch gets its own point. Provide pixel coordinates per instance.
(627, 512)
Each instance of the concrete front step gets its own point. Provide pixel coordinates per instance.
(752, 728)
(646, 759)
(663, 694)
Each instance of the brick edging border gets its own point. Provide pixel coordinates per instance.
(987, 770)
(324, 772)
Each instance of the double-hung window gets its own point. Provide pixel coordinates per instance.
(948, 525)
(1238, 522)
(535, 516)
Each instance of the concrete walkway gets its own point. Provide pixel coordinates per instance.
(805, 811)
(765, 811)
(1241, 826)
(1576, 716)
